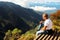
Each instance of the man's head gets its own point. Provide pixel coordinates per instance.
(45, 16)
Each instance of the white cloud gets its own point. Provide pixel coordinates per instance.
(41, 8)
(44, 1)
(25, 3)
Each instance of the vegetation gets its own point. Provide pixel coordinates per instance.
(16, 35)
(12, 35)
(55, 17)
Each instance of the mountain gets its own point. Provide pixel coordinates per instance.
(14, 16)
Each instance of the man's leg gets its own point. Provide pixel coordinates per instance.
(50, 31)
(39, 32)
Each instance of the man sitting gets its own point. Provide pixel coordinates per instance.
(47, 28)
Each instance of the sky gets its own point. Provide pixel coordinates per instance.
(35, 4)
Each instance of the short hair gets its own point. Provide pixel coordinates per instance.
(46, 15)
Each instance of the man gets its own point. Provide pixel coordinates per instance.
(47, 28)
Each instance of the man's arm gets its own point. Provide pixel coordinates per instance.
(44, 28)
(46, 23)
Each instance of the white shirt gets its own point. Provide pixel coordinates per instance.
(48, 23)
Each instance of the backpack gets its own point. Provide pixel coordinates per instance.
(40, 26)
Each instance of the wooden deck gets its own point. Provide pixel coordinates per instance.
(54, 36)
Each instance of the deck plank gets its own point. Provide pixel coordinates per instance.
(59, 38)
(41, 37)
(44, 37)
(55, 38)
(37, 37)
(51, 37)
(48, 37)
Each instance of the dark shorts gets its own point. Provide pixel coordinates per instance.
(50, 32)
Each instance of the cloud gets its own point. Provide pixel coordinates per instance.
(44, 1)
(41, 8)
(25, 3)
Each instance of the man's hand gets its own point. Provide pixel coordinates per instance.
(44, 28)
(41, 22)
